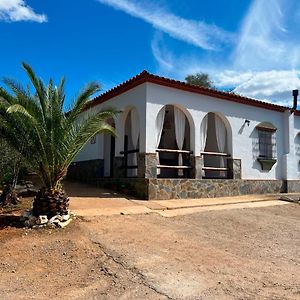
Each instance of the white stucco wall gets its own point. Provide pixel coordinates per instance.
(296, 136)
(149, 98)
(91, 151)
(135, 97)
(242, 135)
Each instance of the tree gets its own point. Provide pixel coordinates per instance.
(46, 137)
(200, 79)
(10, 164)
(12, 168)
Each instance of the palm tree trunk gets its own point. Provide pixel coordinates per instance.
(50, 202)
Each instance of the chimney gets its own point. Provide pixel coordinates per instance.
(295, 95)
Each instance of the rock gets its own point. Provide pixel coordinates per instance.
(42, 220)
(56, 219)
(30, 221)
(25, 215)
(65, 217)
(64, 224)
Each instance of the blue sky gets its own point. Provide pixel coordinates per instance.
(252, 46)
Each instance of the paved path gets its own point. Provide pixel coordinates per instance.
(91, 201)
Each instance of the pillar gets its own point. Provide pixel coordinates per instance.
(235, 168)
(147, 165)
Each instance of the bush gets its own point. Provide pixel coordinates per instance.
(10, 164)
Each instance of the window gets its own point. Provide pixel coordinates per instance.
(266, 143)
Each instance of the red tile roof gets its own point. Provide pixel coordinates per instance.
(147, 77)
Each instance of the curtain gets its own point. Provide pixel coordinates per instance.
(203, 132)
(221, 139)
(135, 133)
(159, 128)
(179, 118)
(160, 124)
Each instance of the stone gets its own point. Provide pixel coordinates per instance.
(42, 220)
(26, 214)
(28, 219)
(64, 224)
(56, 219)
(147, 165)
(65, 217)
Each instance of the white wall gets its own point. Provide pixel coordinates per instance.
(243, 136)
(149, 98)
(297, 143)
(135, 97)
(91, 151)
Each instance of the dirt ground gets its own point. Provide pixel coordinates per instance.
(251, 253)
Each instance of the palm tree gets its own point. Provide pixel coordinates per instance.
(46, 137)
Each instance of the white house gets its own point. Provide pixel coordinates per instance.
(175, 140)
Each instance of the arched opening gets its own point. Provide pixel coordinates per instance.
(173, 142)
(109, 151)
(131, 142)
(215, 145)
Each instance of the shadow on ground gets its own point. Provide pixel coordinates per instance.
(76, 189)
(10, 220)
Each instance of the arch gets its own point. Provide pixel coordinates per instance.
(229, 148)
(297, 150)
(190, 122)
(131, 123)
(173, 140)
(125, 113)
(109, 150)
(216, 137)
(266, 126)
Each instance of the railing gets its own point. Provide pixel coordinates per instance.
(175, 151)
(174, 167)
(125, 162)
(216, 169)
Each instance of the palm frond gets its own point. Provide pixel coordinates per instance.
(36, 126)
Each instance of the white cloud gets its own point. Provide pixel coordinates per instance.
(275, 86)
(233, 78)
(18, 10)
(196, 33)
(269, 36)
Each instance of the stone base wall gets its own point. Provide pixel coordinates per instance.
(86, 171)
(165, 189)
(293, 186)
(162, 189)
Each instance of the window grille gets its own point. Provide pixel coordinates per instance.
(266, 144)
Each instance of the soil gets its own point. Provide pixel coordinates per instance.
(248, 253)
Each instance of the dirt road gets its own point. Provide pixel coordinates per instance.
(248, 253)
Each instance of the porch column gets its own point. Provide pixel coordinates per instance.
(196, 163)
(288, 158)
(147, 165)
(118, 162)
(235, 168)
